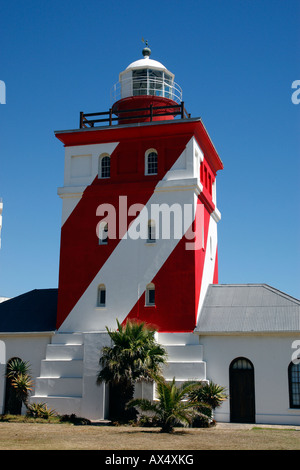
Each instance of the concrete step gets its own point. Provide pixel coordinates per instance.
(61, 368)
(64, 351)
(183, 371)
(189, 352)
(177, 338)
(62, 405)
(63, 387)
(67, 338)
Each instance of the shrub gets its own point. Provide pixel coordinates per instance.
(73, 419)
(40, 410)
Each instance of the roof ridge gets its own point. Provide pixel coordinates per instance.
(261, 284)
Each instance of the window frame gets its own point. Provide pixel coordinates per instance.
(150, 288)
(103, 228)
(294, 395)
(147, 163)
(101, 170)
(151, 231)
(101, 289)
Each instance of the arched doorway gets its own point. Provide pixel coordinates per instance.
(241, 390)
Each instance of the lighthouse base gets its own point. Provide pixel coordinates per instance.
(67, 382)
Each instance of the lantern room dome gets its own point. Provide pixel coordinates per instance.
(146, 62)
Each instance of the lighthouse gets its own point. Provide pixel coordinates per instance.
(149, 170)
(138, 235)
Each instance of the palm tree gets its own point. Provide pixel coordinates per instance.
(134, 355)
(173, 406)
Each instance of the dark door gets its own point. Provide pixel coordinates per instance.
(241, 390)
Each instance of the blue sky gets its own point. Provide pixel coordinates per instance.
(235, 61)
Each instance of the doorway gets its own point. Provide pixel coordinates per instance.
(241, 389)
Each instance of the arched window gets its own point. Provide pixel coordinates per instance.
(294, 384)
(103, 233)
(104, 166)
(101, 301)
(150, 295)
(241, 363)
(151, 162)
(151, 232)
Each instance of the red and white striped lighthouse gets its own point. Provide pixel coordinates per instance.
(138, 237)
(139, 223)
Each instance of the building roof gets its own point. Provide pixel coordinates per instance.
(248, 308)
(34, 311)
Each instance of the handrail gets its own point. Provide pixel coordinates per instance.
(153, 111)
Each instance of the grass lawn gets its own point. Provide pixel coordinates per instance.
(47, 436)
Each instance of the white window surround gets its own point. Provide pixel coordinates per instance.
(103, 233)
(101, 296)
(104, 167)
(150, 295)
(211, 247)
(148, 163)
(151, 232)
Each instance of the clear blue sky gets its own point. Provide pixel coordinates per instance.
(234, 59)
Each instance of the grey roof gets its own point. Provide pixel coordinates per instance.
(34, 311)
(248, 308)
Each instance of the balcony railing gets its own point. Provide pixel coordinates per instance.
(144, 85)
(107, 117)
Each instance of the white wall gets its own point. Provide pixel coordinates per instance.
(28, 347)
(271, 356)
(95, 397)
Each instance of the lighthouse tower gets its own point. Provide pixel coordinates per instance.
(138, 235)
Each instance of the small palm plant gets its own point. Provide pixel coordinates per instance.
(209, 393)
(40, 410)
(18, 374)
(173, 406)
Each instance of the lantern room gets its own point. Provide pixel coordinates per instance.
(143, 84)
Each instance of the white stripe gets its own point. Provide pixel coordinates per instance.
(209, 262)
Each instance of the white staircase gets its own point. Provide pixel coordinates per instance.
(61, 380)
(185, 356)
